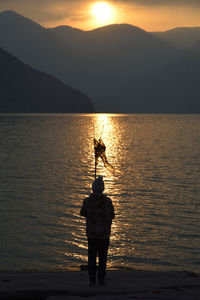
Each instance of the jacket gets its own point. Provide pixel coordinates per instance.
(99, 212)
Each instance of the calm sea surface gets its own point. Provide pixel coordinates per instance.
(47, 168)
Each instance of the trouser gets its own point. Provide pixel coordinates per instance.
(97, 247)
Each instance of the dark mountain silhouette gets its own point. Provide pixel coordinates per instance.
(181, 37)
(34, 45)
(121, 67)
(105, 63)
(175, 87)
(195, 50)
(119, 55)
(120, 44)
(171, 87)
(72, 34)
(23, 89)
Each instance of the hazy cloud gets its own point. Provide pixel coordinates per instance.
(58, 5)
(43, 3)
(76, 12)
(161, 2)
(46, 11)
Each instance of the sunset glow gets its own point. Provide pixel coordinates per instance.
(157, 15)
(102, 13)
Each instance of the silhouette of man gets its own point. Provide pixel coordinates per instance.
(99, 212)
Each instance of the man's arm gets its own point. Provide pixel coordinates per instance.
(110, 209)
(83, 211)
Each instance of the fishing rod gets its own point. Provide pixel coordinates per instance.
(99, 148)
(100, 152)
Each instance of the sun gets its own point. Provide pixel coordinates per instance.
(102, 12)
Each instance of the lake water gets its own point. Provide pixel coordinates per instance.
(47, 168)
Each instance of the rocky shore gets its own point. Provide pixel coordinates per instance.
(125, 284)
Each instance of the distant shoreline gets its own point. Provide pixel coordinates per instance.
(92, 114)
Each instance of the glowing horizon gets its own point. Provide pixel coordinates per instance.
(102, 12)
(88, 15)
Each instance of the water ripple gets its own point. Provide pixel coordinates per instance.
(47, 167)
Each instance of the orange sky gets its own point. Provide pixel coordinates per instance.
(151, 15)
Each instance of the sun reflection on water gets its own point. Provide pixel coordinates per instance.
(105, 128)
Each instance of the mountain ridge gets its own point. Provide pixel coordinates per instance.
(27, 90)
(180, 37)
(12, 13)
(101, 64)
(120, 71)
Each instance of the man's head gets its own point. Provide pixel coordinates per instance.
(98, 185)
